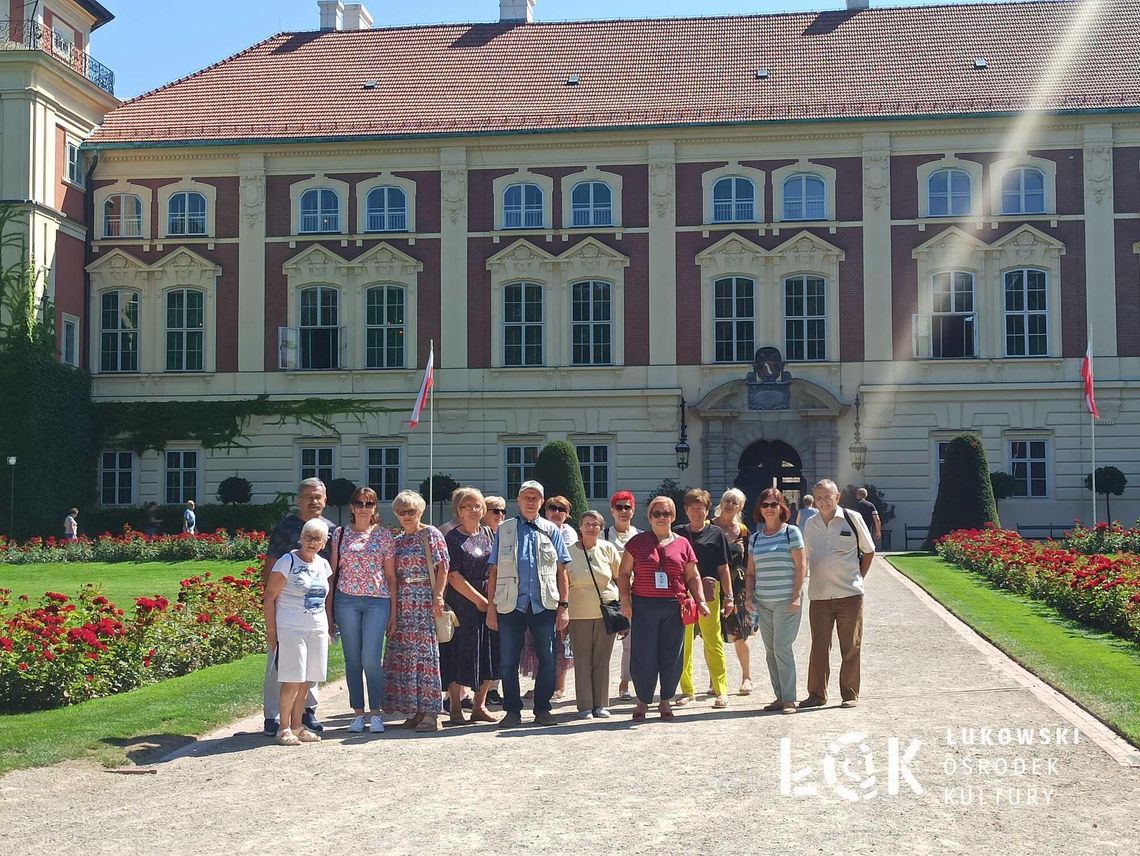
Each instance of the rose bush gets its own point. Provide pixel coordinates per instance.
(134, 546)
(61, 651)
(1100, 591)
(1104, 538)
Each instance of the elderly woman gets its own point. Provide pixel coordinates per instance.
(774, 585)
(496, 512)
(364, 580)
(471, 658)
(593, 571)
(411, 658)
(622, 504)
(557, 511)
(297, 627)
(711, 548)
(657, 570)
(728, 515)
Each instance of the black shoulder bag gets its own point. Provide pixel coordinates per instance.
(614, 621)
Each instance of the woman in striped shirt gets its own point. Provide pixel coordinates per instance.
(774, 582)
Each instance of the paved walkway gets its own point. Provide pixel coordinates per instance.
(709, 782)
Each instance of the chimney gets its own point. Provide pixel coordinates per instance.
(356, 17)
(516, 11)
(332, 14)
(856, 5)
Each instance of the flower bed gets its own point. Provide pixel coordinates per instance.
(1104, 538)
(133, 546)
(1099, 591)
(63, 651)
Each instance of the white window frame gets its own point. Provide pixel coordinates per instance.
(733, 169)
(184, 331)
(120, 332)
(1025, 313)
(69, 322)
(972, 168)
(131, 475)
(337, 350)
(74, 173)
(795, 191)
(385, 327)
(318, 182)
(1021, 173)
(737, 321)
(741, 206)
(188, 185)
(123, 225)
(181, 493)
(804, 319)
(386, 449)
(803, 167)
(499, 188)
(526, 290)
(1000, 169)
(530, 202)
(386, 179)
(145, 197)
(971, 316)
(317, 467)
(390, 213)
(325, 219)
(522, 447)
(592, 213)
(592, 325)
(1045, 460)
(593, 445)
(178, 224)
(612, 180)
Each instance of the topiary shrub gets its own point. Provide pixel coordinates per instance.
(671, 489)
(560, 474)
(1109, 482)
(340, 493)
(442, 487)
(235, 491)
(965, 495)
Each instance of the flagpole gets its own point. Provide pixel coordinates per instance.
(431, 440)
(1092, 434)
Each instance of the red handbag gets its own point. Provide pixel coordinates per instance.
(689, 612)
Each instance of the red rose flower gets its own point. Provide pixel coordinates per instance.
(23, 667)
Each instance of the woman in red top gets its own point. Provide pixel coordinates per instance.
(656, 570)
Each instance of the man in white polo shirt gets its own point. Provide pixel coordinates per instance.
(839, 551)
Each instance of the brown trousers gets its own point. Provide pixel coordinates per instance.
(592, 649)
(845, 614)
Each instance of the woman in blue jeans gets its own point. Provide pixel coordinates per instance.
(364, 579)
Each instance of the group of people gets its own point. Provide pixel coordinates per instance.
(527, 592)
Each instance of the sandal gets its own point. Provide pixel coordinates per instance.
(412, 721)
(683, 700)
(666, 711)
(288, 738)
(773, 707)
(429, 726)
(482, 716)
(639, 715)
(307, 736)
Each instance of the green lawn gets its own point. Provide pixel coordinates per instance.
(1099, 671)
(141, 725)
(122, 582)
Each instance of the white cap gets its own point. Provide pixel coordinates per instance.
(531, 485)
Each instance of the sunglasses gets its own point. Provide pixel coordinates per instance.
(499, 511)
(357, 503)
(404, 512)
(769, 505)
(660, 515)
(561, 508)
(312, 539)
(623, 508)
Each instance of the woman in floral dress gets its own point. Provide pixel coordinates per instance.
(411, 658)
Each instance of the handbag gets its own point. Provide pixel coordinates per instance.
(447, 621)
(689, 612)
(612, 618)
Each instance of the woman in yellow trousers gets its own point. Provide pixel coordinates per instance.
(711, 547)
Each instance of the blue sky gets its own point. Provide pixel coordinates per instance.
(151, 43)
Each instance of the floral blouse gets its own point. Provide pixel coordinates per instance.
(360, 561)
(409, 550)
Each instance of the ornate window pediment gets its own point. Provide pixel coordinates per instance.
(806, 252)
(1028, 246)
(185, 268)
(733, 255)
(386, 263)
(118, 269)
(951, 247)
(521, 260)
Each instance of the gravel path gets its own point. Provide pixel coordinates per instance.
(708, 782)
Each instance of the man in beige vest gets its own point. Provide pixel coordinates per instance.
(530, 587)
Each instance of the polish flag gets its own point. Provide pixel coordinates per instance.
(1087, 377)
(422, 398)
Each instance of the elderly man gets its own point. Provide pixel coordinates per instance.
(311, 499)
(870, 514)
(839, 551)
(530, 590)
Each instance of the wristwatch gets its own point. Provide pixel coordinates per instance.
(563, 604)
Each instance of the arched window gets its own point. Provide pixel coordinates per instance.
(319, 330)
(734, 200)
(804, 197)
(384, 327)
(122, 216)
(185, 330)
(187, 214)
(805, 318)
(522, 206)
(119, 331)
(320, 210)
(591, 326)
(387, 210)
(1023, 191)
(950, 193)
(1026, 304)
(734, 319)
(591, 204)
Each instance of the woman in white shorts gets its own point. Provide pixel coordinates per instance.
(297, 627)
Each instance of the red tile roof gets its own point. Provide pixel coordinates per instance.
(499, 78)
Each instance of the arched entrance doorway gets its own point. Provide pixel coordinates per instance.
(766, 463)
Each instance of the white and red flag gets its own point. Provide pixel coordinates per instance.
(1087, 377)
(422, 398)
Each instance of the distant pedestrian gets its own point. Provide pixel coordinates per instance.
(71, 525)
(807, 511)
(189, 519)
(153, 523)
(870, 514)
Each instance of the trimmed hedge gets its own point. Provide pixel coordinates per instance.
(262, 518)
(965, 494)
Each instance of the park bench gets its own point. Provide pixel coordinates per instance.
(915, 533)
(1043, 532)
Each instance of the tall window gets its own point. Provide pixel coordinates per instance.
(383, 474)
(317, 462)
(949, 193)
(804, 197)
(953, 323)
(116, 478)
(74, 164)
(1023, 191)
(591, 328)
(591, 204)
(320, 210)
(181, 477)
(319, 333)
(805, 318)
(187, 214)
(69, 342)
(595, 464)
(1026, 314)
(185, 330)
(384, 328)
(522, 206)
(734, 200)
(522, 324)
(520, 466)
(734, 320)
(122, 216)
(1030, 468)
(119, 331)
(387, 210)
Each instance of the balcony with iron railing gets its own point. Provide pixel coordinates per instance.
(34, 36)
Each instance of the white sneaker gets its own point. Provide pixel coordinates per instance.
(357, 725)
(601, 713)
(586, 714)
(376, 724)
